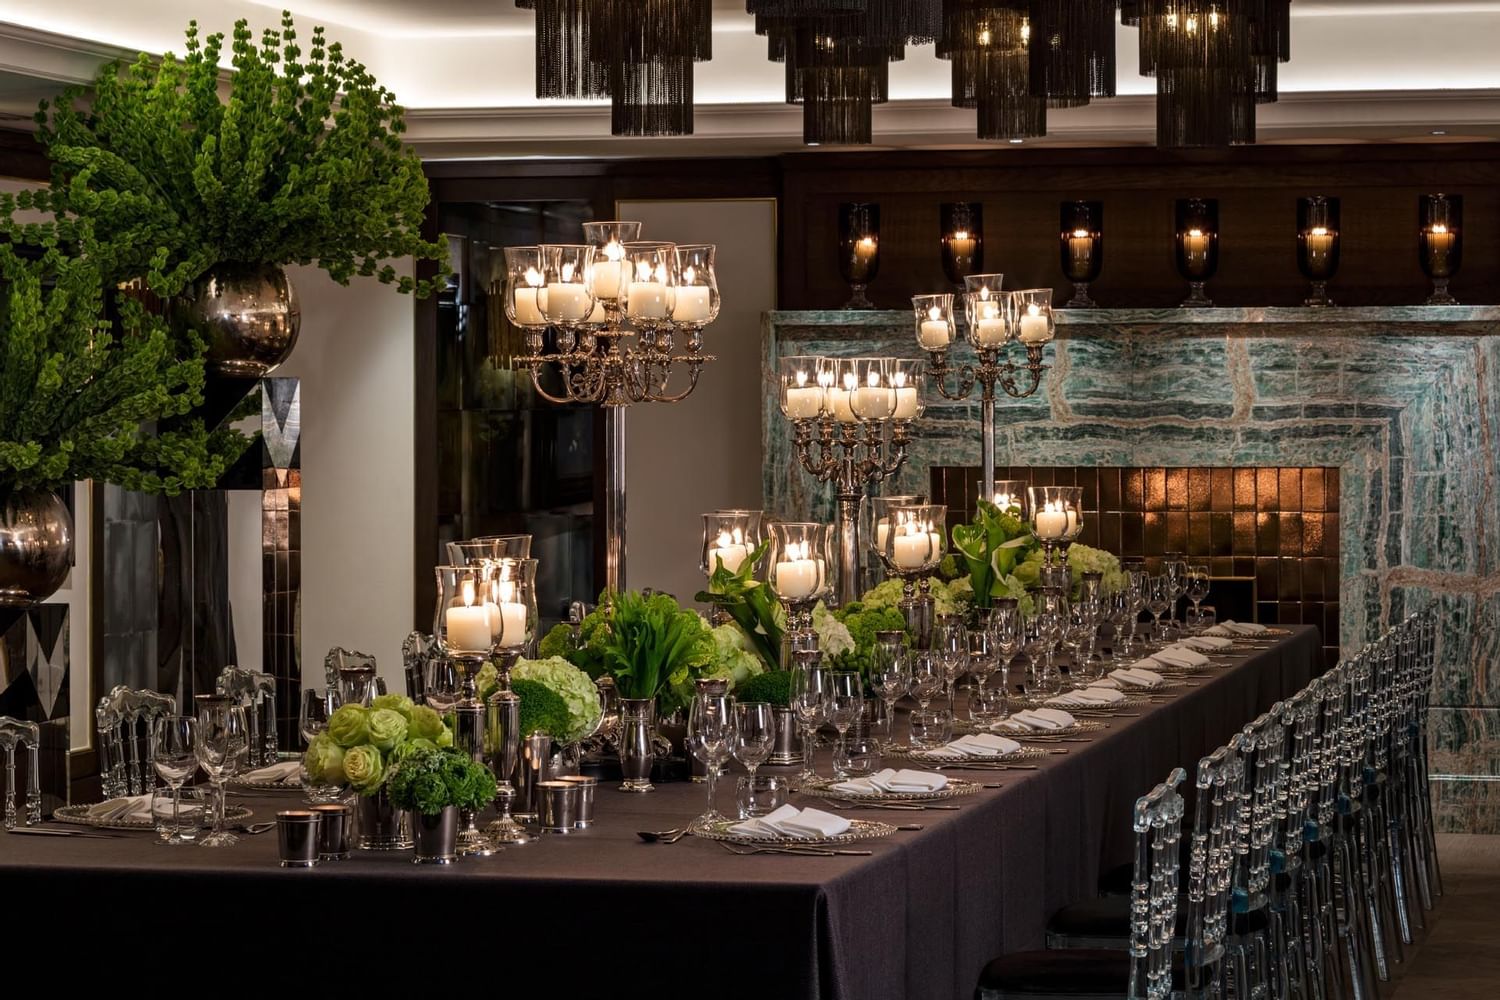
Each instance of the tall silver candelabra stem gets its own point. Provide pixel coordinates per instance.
(991, 371)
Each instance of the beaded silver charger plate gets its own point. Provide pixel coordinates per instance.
(859, 829)
(1078, 728)
(935, 756)
(1130, 701)
(956, 788)
(80, 816)
(263, 784)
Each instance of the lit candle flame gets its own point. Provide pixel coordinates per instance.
(850, 381)
(688, 275)
(507, 590)
(613, 251)
(534, 277)
(1319, 231)
(567, 272)
(739, 536)
(1033, 309)
(1439, 229)
(936, 312)
(1081, 234)
(468, 591)
(723, 539)
(643, 271)
(872, 379)
(898, 379)
(1195, 233)
(801, 379)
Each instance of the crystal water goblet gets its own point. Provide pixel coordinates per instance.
(221, 742)
(981, 665)
(889, 675)
(951, 641)
(1175, 569)
(809, 681)
(176, 759)
(1007, 637)
(1158, 602)
(1051, 622)
(926, 672)
(754, 733)
(710, 736)
(316, 707)
(844, 700)
(1139, 589)
(1197, 587)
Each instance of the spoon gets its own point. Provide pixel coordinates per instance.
(661, 836)
(252, 828)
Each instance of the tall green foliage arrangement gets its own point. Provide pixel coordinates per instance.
(78, 395)
(303, 163)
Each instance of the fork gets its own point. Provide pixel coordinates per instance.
(806, 852)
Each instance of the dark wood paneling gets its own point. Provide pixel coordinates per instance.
(22, 157)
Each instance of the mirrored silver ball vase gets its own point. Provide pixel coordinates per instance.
(247, 313)
(36, 547)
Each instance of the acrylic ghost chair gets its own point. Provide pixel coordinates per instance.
(28, 736)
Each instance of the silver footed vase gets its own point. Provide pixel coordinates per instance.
(36, 547)
(637, 750)
(383, 827)
(247, 314)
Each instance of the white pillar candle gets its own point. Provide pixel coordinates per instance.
(989, 331)
(937, 541)
(1081, 249)
(529, 305)
(492, 615)
(838, 405)
(607, 273)
(512, 624)
(803, 402)
(568, 302)
(646, 300)
(468, 628)
(873, 402)
(1051, 521)
(797, 578)
(1072, 520)
(1034, 326)
(882, 532)
(906, 403)
(692, 304)
(932, 335)
(731, 554)
(911, 551)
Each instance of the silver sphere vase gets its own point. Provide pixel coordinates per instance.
(36, 547)
(247, 314)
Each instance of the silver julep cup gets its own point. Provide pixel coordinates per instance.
(536, 751)
(334, 821)
(557, 805)
(587, 786)
(297, 838)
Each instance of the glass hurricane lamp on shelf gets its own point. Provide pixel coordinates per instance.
(961, 231)
(1082, 248)
(1056, 516)
(859, 250)
(1197, 247)
(1318, 246)
(1441, 242)
(912, 550)
(797, 570)
(1007, 494)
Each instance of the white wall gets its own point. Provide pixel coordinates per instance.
(354, 357)
(705, 452)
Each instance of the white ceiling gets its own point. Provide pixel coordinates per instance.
(1361, 70)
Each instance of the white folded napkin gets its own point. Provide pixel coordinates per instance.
(1231, 627)
(288, 772)
(1089, 696)
(1134, 676)
(1180, 656)
(1207, 642)
(131, 808)
(893, 782)
(1032, 720)
(978, 745)
(789, 821)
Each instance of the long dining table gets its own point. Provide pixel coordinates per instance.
(602, 913)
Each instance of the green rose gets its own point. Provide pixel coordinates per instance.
(364, 768)
(405, 750)
(324, 760)
(424, 724)
(349, 726)
(387, 728)
(445, 738)
(396, 703)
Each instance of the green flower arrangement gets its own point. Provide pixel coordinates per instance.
(362, 746)
(430, 779)
(79, 395)
(578, 693)
(949, 597)
(541, 709)
(751, 603)
(989, 549)
(773, 687)
(302, 163)
(861, 623)
(655, 648)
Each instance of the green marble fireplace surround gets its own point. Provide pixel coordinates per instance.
(1405, 402)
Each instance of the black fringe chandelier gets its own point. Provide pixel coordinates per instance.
(1213, 60)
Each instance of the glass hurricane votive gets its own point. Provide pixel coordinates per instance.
(800, 393)
(1033, 317)
(859, 249)
(1007, 494)
(648, 283)
(566, 270)
(608, 239)
(961, 230)
(1441, 242)
(907, 378)
(880, 519)
(1055, 514)
(1318, 246)
(462, 621)
(988, 318)
(912, 550)
(1197, 247)
(729, 537)
(873, 397)
(797, 569)
(933, 315)
(1082, 248)
(837, 378)
(697, 302)
(513, 586)
(489, 547)
(525, 287)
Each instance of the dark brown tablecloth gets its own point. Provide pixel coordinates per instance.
(601, 913)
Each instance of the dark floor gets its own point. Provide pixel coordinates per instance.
(1459, 957)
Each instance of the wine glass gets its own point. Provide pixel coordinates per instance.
(1197, 589)
(888, 677)
(222, 740)
(1051, 625)
(1006, 639)
(1139, 588)
(1158, 602)
(951, 640)
(1175, 569)
(317, 706)
(442, 686)
(1081, 632)
(981, 664)
(176, 738)
(754, 733)
(710, 736)
(926, 670)
(844, 700)
(809, 680)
